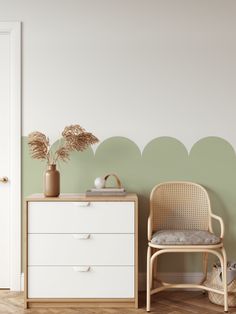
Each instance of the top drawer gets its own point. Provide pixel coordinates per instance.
(81, 217)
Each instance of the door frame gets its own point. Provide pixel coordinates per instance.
(14, 31)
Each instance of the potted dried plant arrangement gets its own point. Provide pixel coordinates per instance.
(74, 138)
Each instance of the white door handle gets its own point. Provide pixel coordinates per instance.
(82, 204)
(81, 236)
(82, 269)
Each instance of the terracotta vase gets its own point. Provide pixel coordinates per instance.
(51, 181)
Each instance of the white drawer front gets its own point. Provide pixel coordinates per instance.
(79, 282)
(80, 249)
(81, 217)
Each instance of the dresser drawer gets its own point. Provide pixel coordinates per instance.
(80, 282)
(81, 217)
(81, 249)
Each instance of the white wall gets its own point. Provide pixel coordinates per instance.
(133, 68)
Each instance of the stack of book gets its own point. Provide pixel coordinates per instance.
(106, 191)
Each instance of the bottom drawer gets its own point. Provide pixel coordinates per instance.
(80, 282)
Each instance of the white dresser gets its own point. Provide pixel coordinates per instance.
(81, 251)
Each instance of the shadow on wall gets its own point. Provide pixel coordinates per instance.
(211, 162)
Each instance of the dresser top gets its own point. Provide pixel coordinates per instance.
(83, 197)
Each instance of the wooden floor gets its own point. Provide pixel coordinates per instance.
(171, 302)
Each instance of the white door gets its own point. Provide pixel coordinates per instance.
(10, 206)
(4, 161)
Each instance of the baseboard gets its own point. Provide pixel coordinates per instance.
(15, 282)
(22, 282)
(166, 277)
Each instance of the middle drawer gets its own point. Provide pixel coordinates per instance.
(80, 249)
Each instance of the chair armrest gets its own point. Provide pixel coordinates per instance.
(222, 226)
(149, 228)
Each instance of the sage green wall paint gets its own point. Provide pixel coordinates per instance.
(211, 162)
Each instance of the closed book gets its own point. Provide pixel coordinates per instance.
(107, 193)
(108, 190)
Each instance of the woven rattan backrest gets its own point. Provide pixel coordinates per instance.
(179, 205)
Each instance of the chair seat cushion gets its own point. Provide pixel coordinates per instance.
(184, 237)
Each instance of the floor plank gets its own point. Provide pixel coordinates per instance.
(167, 302)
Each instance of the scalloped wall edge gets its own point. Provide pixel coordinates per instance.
(98, 146)
(159, 138)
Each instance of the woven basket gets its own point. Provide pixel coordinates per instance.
(215, 282)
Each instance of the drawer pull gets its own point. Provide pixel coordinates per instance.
(82, 204)
(81, 236)
(81, 269)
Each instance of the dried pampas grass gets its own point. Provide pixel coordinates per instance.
(75, 138)
(62, 153)
(39, 145)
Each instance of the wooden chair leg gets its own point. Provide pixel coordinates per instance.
(224, 273)
(148, 301)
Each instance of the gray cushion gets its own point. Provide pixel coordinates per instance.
(184, 237)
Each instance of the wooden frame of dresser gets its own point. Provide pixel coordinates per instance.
(81, 302)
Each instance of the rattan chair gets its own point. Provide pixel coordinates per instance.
(180, 220)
